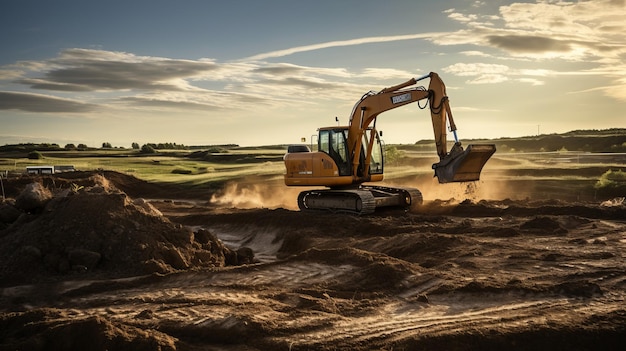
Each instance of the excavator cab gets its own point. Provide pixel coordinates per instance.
(334, 142)
(463, 165)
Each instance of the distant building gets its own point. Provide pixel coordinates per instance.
(40, 169)
(65, 168)
(49, 169)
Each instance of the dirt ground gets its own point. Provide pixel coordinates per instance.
(113, 263)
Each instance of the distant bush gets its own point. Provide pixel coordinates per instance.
(611, 184)
(167, 146)
(147, 149)
(28, 147)
(611, 179)
(35, 155)
(393, 155)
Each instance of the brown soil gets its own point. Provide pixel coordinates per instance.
(96, 267)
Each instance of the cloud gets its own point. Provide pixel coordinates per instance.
(528, 43)
(200, 101)
(544, 31)
(528, 32)
(473, 69)
(280, 69)
(291, 70)
(159, 103)
(475, 53)
(531, 81)
(40, 103)
(338, 43)
(97, 70)
(9, 74)
(590, 30)
(462, 18)
(386, 73)
(483, 73)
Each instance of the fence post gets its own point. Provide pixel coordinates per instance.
(2, 186)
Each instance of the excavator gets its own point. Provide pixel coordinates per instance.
(350, 156)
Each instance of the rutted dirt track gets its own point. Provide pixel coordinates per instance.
(491, 275)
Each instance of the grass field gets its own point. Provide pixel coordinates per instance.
(166, 166)
(506, 175)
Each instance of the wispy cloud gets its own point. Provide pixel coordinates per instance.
(482, 73)
(98, 70)
(337, 43)
(116, 79)
(40, 103)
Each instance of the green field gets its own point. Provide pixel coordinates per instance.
(168, 166)
(526, 171)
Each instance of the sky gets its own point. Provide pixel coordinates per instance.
(252, 73)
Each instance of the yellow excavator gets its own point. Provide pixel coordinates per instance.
(349, 156)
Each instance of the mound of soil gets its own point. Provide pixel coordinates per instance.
(48, 332)
(98, 231)
(127, 183)
(544, 225)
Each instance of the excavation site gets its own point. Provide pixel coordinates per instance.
(105, 261)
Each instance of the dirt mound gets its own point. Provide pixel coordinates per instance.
(127, 183)
(53, 329)
(614, 209)
(100, 231)
(544, 226)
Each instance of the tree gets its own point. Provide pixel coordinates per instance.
(135, 146)
(106, 146)
(147, 149)
(393, 155)
(70, 146)
(82, 147)
(35, 155)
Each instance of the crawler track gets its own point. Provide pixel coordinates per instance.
(361, 201)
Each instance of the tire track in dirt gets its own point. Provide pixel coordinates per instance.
(214, 302)
(187, 294)
(398, 321)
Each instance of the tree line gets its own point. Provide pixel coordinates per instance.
(27, 147)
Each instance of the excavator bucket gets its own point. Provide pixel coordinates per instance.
(464, 166)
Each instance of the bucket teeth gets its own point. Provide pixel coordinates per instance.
(463, 166)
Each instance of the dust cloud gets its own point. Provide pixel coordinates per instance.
(259, 194)
(272, 194)
(488, 188)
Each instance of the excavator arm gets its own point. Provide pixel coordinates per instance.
(455, 165)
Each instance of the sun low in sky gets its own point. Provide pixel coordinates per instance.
(272, 72)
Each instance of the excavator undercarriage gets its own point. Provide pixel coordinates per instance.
(362, 200)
